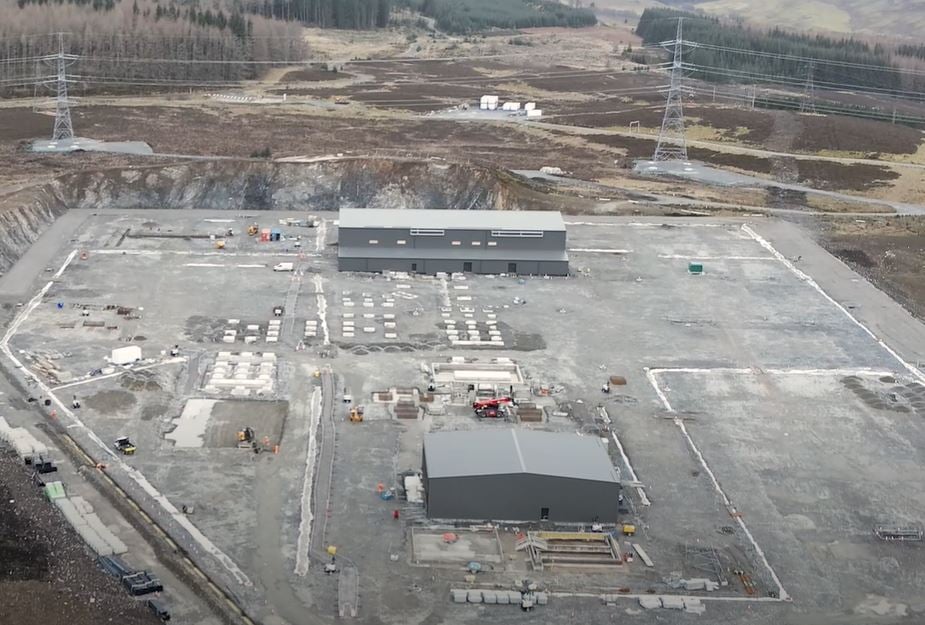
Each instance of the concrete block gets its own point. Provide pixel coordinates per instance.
(650, 603)
(369, 315)
(502, 598)
(474, 596)
(269, 356)
(459, 596)
(82, 505)
(388, 316)
(369, 329)
(240, 391)
(272, 339)
(253, 327)
(276, 322)
(389, 324)
(514, 597)
(349, 324)
(391, 335)
(445, 315)
(349, 315)
(349, 304)
(234, 322)
(672, 602)
(490, 597)
(388, 304)
(228, 339)
(367, 304)
(348, 335)
(693, 605)
(468, 315)
(542, 598)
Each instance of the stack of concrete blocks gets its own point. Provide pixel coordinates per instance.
(79, 513)
(311, 328)
(252, 335)
(273, 329)
(390, 325)
(242, 373)
(692, 605)
(348, 325)
(494, 597)
(23, 443)
(231, 332)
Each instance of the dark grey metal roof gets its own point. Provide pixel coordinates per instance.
(432, 253)
(503, 452)
(450, 219)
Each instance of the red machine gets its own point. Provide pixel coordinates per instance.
(491, 408)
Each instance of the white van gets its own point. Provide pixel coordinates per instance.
(283, 267)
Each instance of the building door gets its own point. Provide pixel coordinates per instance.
(544, 514)
(467, 267)
(512, 267)
(414, 266)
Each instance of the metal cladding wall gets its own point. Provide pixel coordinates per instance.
(521, 497)
(432, 265)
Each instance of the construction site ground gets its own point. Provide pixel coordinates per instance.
(760, 415)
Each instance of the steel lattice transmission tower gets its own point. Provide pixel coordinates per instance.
(808, 103)
(672, 145)
(64, 128)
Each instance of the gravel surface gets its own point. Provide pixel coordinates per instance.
(47, 575)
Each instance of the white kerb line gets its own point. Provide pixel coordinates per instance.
(305, 523)
(640, 491)
(321, 234)
(322, 307)
(806, 278)
(781, 593)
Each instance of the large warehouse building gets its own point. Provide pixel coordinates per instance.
(519, 475)
(432, 241)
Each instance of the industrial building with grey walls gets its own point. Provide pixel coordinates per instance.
(449, 241)
(519, 475)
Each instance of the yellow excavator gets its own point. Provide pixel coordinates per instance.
(252, 230)
(356, 414)
(247, 438)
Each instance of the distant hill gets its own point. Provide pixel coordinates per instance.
(884, 17)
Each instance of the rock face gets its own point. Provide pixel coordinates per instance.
(23, 218)
(326, 185)
(250, 185)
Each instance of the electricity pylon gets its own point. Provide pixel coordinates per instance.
(672, 145)
(64, 128)
(808, 103)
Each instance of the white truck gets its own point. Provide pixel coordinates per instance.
(284, 267)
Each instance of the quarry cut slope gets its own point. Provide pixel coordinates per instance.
(259, 185)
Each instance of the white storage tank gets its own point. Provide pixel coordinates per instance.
(529, 106)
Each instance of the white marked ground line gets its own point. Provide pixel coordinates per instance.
(682, 256)
(170, 361)
(808, 280)
(305, 524)
(67, 261)
(599, 250)
(181, 519)
(640, 491)
(782, 594)
(644, 224)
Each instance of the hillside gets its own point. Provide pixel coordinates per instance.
(904, 18)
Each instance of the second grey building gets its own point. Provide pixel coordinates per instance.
(449, 241)
(519, 475)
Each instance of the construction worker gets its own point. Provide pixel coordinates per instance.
(606, 388)
(75, 404)
(175, 351)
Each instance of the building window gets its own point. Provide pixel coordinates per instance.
(374, 241)
(520, 234)
(400, 242)
(456, 243)
(476, 243)
(426, 232)
(492, 244)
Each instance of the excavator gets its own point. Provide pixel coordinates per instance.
(247, 438)
(356, 414)
(492, 408)
(252, 230)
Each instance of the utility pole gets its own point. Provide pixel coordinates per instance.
(808, 104)
(672, 145)
(64, 128)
